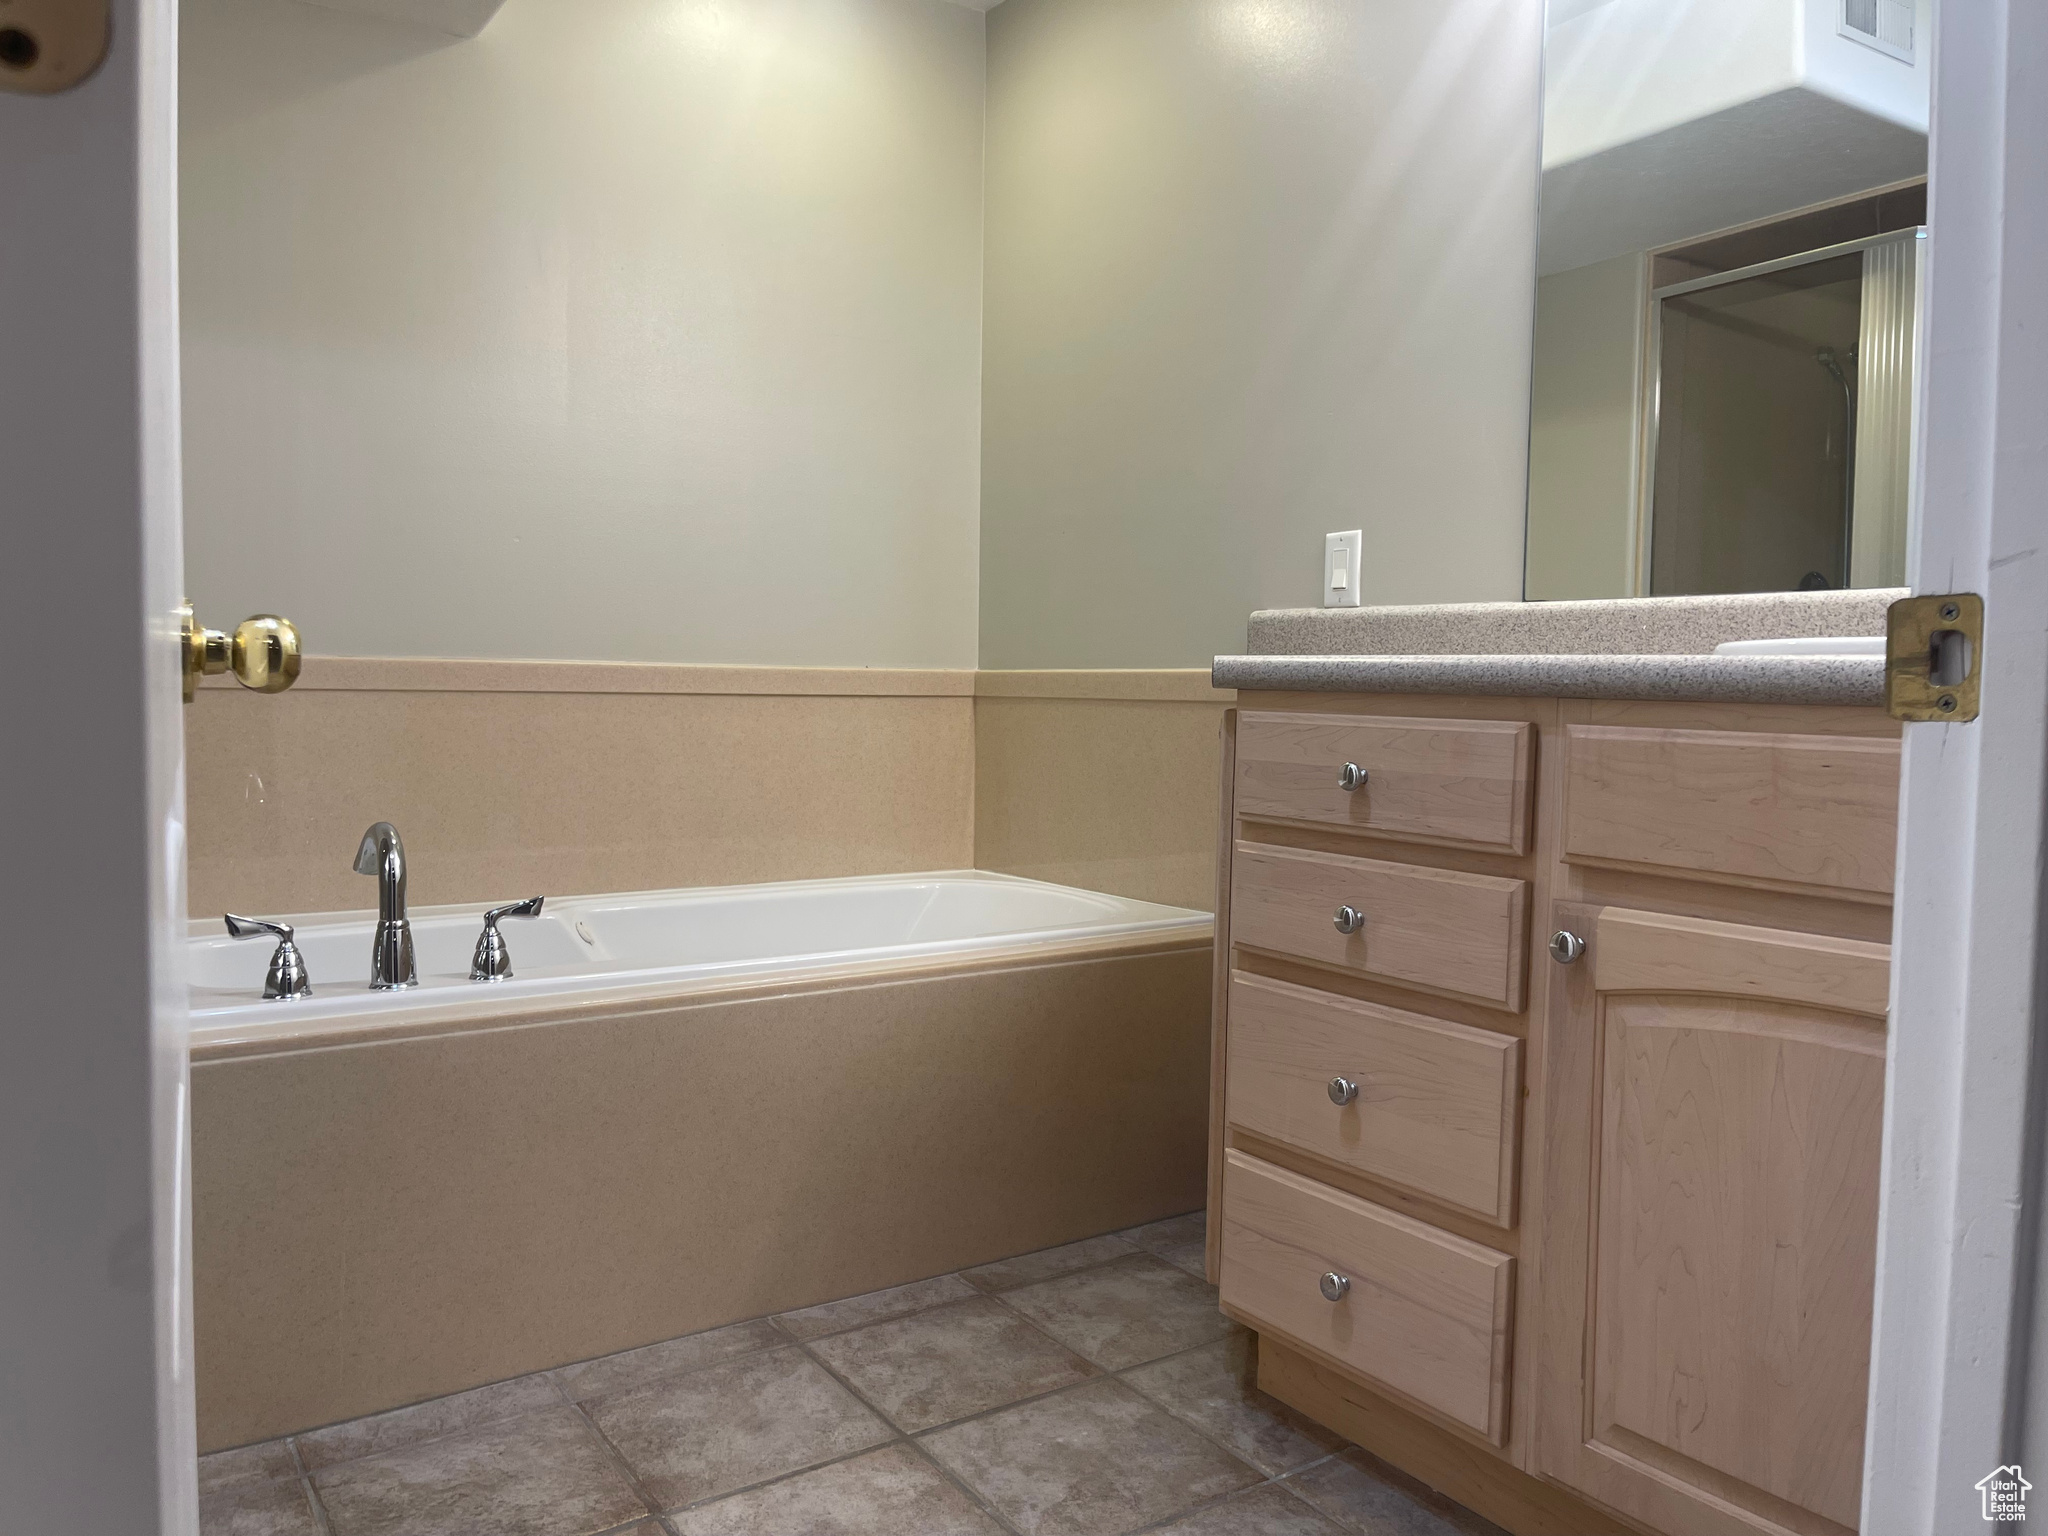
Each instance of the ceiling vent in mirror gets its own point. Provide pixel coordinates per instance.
(1886, 25)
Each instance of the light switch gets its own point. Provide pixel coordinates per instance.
(1342, 585)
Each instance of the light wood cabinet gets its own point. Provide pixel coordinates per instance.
(1609, 1226)
(1422, 1312)
(1438, 930)
(1760, 808)
(1456, 782)
(1432, 1105)
(1711, 1230)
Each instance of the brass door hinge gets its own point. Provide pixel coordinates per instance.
(1934, 657)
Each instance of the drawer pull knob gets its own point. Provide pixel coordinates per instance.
(1342, 1091)
(1335, 1286)
(1350, 778)
(1566, 946)
(1349, 919)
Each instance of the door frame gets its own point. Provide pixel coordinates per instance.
(1956, 1355)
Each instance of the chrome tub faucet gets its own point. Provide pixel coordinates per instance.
(391, 961)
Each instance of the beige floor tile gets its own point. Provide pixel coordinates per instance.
(890, 1492)
(875, 1307)
(672, 1357)
(1158, 1236)
(1125, 1312)
(1191, 1256)
(719, 1429)
(1007, 1274)
(426, 1421)
(1096, 1460)
(543, 1474)
(1369, 1498)
(1215, 1388)
(246, 1464)
(278, 1508)
(959, 1359)
(1268, 1510)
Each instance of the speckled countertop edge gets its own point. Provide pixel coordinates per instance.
(1693, 678)
(1632, 626)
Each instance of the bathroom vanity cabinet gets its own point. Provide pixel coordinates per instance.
(1548, 1087)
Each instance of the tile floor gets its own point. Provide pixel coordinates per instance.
(1090, 1390)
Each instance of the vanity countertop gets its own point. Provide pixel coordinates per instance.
(1619, 648)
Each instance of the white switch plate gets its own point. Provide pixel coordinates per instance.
(1341, 555)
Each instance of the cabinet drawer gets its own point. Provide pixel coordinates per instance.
(1461, 782)
(1435, 1107)
(1425, 1314)
(1439, 930)
(1752, 807)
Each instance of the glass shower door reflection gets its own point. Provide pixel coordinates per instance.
(1782, 418)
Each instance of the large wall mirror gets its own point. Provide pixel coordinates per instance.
(1733, 218)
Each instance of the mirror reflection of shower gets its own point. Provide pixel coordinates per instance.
(1778, 422)
(1845, 379)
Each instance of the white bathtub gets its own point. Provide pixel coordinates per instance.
(604, 948)
(721, 1104)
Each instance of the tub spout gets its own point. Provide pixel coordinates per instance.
(391, 959)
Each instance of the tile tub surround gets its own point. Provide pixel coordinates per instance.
(565, 777)
(382, 1221)
(508, 778)
(1104, 780)
(1619, 648)
(763, 1429)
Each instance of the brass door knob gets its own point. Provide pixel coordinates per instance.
(263, 652)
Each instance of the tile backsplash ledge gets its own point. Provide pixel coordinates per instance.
(510, 778)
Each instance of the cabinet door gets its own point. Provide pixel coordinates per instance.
(1711, 1174)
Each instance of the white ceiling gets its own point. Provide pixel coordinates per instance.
(1668, 119)
(1791, 149)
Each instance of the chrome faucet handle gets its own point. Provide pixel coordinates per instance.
(493, 960)
(287, 975)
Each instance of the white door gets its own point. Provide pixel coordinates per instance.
(1959, 1365)
(96, 1430)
